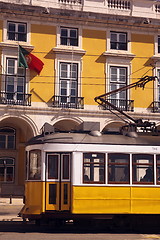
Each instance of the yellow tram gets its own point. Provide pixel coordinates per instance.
(77, 175)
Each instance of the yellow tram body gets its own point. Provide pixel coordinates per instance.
(67, 195)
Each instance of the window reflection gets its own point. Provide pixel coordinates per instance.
(118, 168)
(34, 171)
(142, 168)
(93, 168)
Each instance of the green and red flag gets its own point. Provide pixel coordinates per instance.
(28, 60)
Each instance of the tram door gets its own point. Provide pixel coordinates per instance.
(58, 181)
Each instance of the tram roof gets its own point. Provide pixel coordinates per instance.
(87, 138)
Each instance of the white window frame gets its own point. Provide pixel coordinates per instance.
(79, 32)
(68, 80)
(118, 83)
(67, 59)
(5, 31)
(128, 41)
(6, 55)
(118, 35)
(126, 65)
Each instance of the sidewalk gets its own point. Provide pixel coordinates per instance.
(9, 211)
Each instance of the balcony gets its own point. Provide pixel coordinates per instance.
(72, 2)
(119, 4)
(68, 102)
(123, 105)
(155, 106)
(14, 98)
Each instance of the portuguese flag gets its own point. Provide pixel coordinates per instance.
(28, 60)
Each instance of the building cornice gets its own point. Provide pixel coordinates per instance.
(59, 15)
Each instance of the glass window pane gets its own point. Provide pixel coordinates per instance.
(118, 168)
(2, 142)
(64, 32)
(2, 174)
(113, 37)
(21, 28)
(66, 164)
(11, 141)
(34, 165)
(122, 38)
(53, 166)
(143, 168)
(94, 168)
(11, 27)
(9, 174)
(73, 33)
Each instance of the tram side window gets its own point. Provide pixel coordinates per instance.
(143, 168)
(118, 168)
(34, 166)
(158, 168)
(93, 168)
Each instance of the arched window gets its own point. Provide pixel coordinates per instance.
(7, 138)
(7, 166)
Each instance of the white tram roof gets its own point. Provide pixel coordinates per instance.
(104, 139)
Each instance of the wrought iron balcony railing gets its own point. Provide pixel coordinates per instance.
(14, 98)
(123, 105)
(155, 106)
(68, 102)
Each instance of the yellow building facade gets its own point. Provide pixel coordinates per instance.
(87, 50)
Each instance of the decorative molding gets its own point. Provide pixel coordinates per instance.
(15, 45)
(119, 55)
(68, 51)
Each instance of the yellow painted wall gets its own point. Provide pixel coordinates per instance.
(93, 69)
(143, 48)
(44, 39)
(133, 200)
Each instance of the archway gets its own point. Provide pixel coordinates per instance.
(66, 125)
(113, 127)
(12, 147)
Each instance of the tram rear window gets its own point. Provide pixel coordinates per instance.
(34, 165)
(93, 168)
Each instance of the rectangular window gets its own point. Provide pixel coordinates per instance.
(65, 166)
(17, 31)
(53, 166)
(93, 168)
(142, 168)
(14, 82)
(118, 41)
(7, 138)
(68, 83)
(118, 168)
(69, 36)
(34, 165)
(7, 166)
(118, 79)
